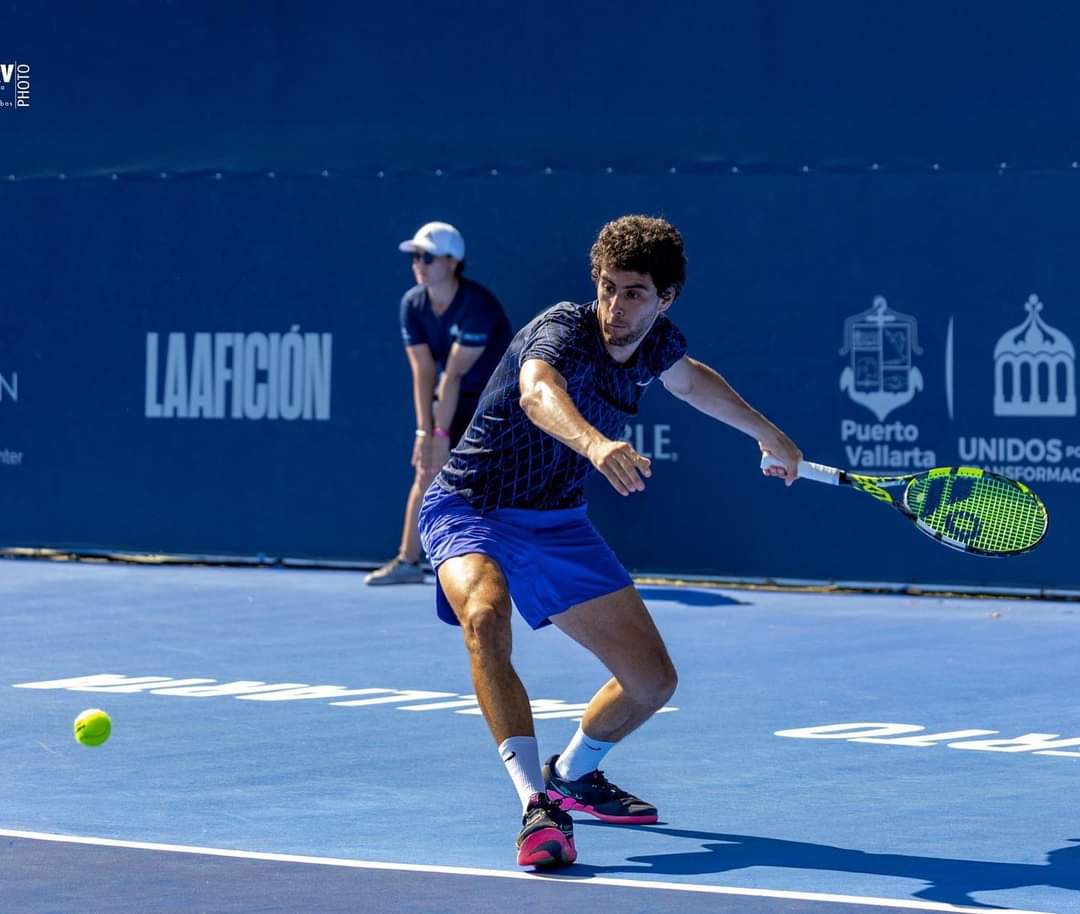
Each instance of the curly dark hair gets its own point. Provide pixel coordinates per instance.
(641, 244)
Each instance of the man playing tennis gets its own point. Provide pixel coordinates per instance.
(505, 519)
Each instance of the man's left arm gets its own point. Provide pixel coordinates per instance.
(706, 390)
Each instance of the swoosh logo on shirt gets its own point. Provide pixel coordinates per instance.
(645, 383)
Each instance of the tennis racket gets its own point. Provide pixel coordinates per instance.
(967, 508)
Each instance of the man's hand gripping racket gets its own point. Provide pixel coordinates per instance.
(966, 508)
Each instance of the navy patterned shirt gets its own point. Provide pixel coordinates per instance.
(503, 460)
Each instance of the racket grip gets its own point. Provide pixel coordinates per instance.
(807, 470)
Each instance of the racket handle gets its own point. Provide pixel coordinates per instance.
(807, 470)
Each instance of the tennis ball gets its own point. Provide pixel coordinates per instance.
(93, 727)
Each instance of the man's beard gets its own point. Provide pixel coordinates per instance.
(626, 336)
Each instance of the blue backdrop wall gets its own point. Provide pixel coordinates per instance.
(198, 326)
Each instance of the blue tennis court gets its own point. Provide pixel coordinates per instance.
(269, 267)
(288, 740)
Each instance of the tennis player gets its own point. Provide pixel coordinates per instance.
(453, 327)
(506, 520)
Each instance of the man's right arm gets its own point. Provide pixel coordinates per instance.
(547, 404)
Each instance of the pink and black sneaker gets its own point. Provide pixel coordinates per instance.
(597, 796)
(547, 835)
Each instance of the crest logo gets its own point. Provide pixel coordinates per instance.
(1034, 369)
(881, 342)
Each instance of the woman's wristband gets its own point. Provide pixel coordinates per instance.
(440, 432)
(421, 433)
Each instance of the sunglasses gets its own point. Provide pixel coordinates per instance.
(425, 256)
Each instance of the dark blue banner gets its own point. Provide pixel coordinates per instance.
(214, 366)
(199, 349)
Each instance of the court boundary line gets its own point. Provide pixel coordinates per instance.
(348, 863)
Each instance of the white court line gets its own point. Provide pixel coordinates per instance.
(507, 874)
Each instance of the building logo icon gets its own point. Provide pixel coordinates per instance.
(881, 342)
(1034, 369)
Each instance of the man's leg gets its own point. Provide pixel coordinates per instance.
(476, 589)
(618, 629)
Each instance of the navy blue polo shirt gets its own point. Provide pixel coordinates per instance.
(474, 318)
(503, 460)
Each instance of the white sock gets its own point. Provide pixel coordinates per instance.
(581, 756)
(521, 756)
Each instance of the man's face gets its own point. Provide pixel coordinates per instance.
(628, 306)
(435, 270)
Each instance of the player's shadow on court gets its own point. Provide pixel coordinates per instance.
(952, 881)
(688, 597)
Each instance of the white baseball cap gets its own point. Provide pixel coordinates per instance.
(438, 238)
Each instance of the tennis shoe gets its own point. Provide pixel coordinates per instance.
(595, 794)
(547, 835)
(396, 571)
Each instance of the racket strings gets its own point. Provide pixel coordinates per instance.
(983, 512)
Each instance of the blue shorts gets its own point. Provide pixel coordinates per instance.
(552, 560)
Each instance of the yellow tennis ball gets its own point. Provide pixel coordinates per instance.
(93, 727)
